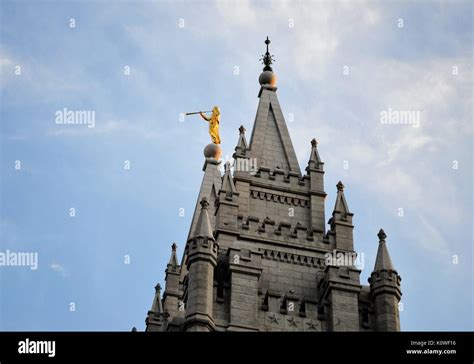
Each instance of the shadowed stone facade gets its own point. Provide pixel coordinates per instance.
(256, 254)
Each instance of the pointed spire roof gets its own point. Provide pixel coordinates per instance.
(242, 146)
(203, 226)
(383, 261)
(341, 203)
(173, 262)
(227, 182)
(314, 163)
(157, 306)
(270, 143)
(210, 186)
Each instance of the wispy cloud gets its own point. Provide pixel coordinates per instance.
(432, 238)
(111, 128)
(59, 269)
(405, 166)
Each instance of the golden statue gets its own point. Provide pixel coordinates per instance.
(214, 121)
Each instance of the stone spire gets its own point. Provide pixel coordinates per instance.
(157, 306)
(171, 294)
(156, 319)
(203, 225)
(173, 262)
(383, 261)
(270, 143)
(314, 163)
(202, 250)
(242, 146)
(227, 204)
(228, 187)
(210, 185)
(385, 292)
(341, 221)
(341, 209)
(264, 214)
(315, 172)
(342, 294)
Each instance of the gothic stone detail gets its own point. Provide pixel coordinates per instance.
(257, 254)
(294, 259)
(275, 197)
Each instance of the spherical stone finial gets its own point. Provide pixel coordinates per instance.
(314, 142)
(267, 78)
(213, 151)
(173, 247)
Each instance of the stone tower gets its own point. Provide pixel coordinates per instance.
(258, 256)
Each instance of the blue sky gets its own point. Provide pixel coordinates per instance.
(176, 69)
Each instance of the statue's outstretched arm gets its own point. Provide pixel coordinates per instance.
(204, 117)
